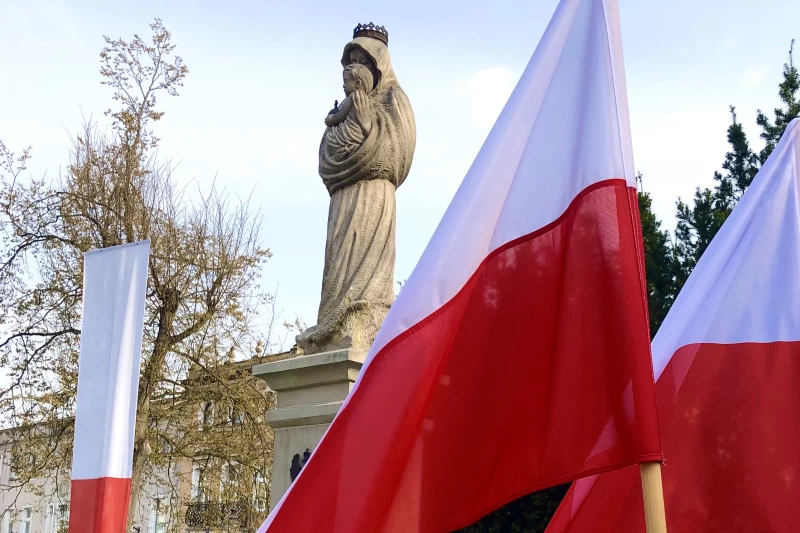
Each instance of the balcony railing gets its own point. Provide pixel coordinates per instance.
(216, 515)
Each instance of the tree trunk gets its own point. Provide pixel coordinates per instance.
(149, 378)
(139, 463)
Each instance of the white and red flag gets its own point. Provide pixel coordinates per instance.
(516, 356)
(114, 290)
(727, 358)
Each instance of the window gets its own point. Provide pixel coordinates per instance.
(224, 479)
(160, 515)
(235, 415)
(50, 519)
(229, 479)
(63, 518)
(56, 519)
(199, 489)
(25, 463)
(260, 493)
(206, 416)
(8, 519)
(25, 522)
(166, 446)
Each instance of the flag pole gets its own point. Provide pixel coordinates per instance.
(653, 492)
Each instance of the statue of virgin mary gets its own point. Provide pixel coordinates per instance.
(358, 277)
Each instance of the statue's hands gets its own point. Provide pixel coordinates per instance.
(362, 111)
(339, 112)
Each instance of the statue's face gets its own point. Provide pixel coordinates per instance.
(351, 83)
(359, 56)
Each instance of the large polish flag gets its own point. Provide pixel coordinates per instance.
(114, 290)
(516, 356)
(727, 359)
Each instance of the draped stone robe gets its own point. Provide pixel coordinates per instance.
(358, 277)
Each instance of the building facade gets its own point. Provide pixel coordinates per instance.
(179, 494)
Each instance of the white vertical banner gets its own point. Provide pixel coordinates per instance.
(114, 292)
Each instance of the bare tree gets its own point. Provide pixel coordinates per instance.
(203, 293)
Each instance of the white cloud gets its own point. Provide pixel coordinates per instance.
(487, 91)
(754, 76)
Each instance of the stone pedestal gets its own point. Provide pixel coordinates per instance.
(311, 390)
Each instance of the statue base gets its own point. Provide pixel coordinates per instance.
(311, 389)
(354, 329)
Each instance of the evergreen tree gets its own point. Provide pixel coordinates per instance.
(659, 262)
(741, 166)
(698, 224)
(789, 92)
(529, 514)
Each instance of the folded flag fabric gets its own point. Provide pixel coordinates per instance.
(727, 358)
(114, 292)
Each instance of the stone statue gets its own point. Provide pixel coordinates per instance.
(365, 154)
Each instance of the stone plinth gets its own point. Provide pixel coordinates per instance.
(311, 390)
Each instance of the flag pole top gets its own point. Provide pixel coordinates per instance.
(117, 247)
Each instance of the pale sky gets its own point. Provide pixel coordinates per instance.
(262, 76)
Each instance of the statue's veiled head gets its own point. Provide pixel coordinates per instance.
(373, 53)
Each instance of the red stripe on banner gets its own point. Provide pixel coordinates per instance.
(536, 372)
(99, 505)
(731, 438)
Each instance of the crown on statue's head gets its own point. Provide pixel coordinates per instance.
(372, 30)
